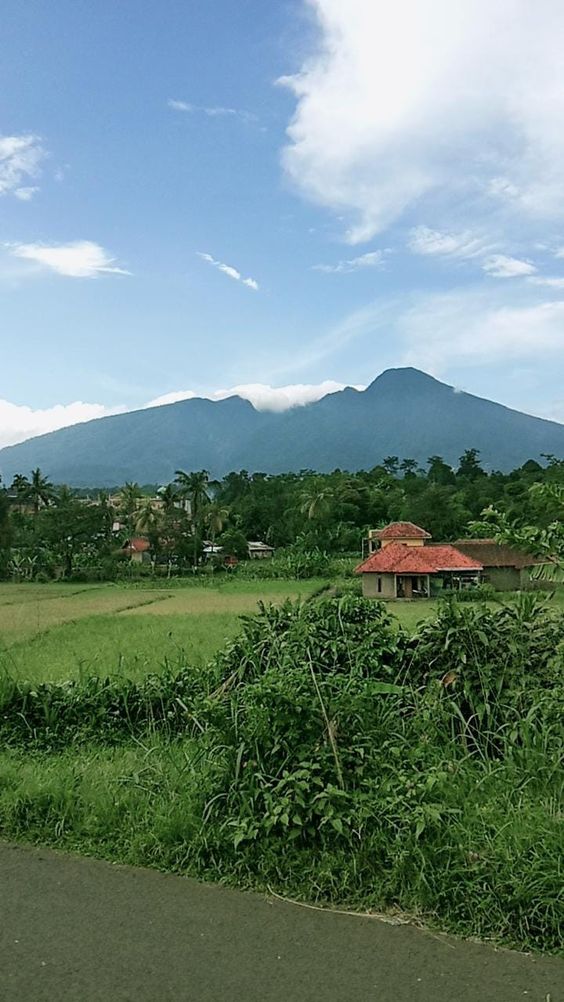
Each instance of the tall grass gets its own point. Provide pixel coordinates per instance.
(325, 754)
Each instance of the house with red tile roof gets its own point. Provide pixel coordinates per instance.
(406, 566)
(137, 549)
(397, 532)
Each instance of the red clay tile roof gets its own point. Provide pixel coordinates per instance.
(492, 554)
(137, 545)
(402, 530)
(397, 558)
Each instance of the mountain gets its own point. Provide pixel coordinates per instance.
(404, 412)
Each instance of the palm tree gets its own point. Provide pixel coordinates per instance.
(129, 496)
(315, 503)
(40, 491)
(169, 497)
(215, 518)
(194, 486)
(20, 484)
(146, 517)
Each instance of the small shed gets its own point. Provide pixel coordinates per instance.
(260, 551)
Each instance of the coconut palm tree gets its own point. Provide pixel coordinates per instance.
(194, 487)
(215, 518)
(130, 496)
(20, 484)
(146, 517)
(40, 491)
(316, 503)
(169, 497)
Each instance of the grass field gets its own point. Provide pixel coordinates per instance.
(54, 632)
(394, 807)
(49, 632)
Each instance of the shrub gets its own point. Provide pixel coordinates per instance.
(334, 757)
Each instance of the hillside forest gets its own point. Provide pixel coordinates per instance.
(49, 531)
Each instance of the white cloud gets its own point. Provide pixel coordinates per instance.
(26, 194)
(215, 111)
(180, 105)
(501, 187)
(501, 266)
(373, 259)
(229, 270)
(423, 240)
(20, 159)
(262, 396)
(550, 283)
(18, 422)
(472, 328)
(79, 259)
(454, 103)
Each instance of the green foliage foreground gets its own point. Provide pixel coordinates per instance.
(325, 754)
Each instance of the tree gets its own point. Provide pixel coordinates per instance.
(469, 465)
(194, 486)
(70, 528)
(543, 541)
(391, 465)
(5, 531)
(440, 472)
(215, 518)
(20, 485)
(146, 517)
(169, 497)
(39, 491)
(234, 544)
(129, 497)
(440, 509)
(316, 502)
(409, 467)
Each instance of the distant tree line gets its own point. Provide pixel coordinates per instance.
(48, 530)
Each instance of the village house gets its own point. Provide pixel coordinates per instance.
(406, 566)
(505, 568)
(397, 532)
(137, 549)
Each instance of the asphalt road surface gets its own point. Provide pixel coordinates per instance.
(80, 930)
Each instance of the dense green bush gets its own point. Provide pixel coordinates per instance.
(330, 755)
(295, 563)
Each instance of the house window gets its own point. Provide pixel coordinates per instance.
(379, 585)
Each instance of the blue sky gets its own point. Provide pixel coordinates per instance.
(196, 197)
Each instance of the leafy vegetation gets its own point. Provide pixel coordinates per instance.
(311, 519)
(326, 753)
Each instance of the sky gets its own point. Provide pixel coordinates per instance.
(277, 199)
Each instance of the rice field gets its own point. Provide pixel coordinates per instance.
(52, 632)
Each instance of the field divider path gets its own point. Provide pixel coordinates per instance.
(74, 928)
(32, 618)
(47, 596)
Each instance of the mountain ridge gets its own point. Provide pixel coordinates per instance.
(403, 412)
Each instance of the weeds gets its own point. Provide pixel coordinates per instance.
(325, 753)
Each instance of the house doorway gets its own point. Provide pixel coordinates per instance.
(412, 586)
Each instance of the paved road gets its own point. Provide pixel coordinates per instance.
(79, 930)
